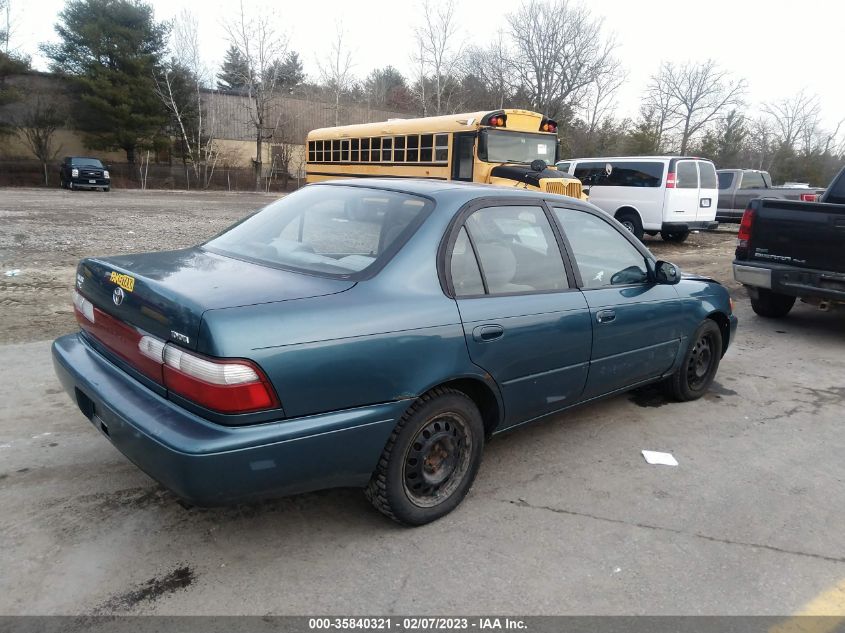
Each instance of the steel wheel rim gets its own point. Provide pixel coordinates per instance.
(437, 460)
(628, 225)
(700, 362)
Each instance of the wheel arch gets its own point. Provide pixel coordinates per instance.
(628, 209)
(721, 319)
(484, 395)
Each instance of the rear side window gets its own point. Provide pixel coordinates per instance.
(726, 180)
(621, 173)
(687, 175)
(516, 249)
(752, 180)
(708, 175)
(466, 276)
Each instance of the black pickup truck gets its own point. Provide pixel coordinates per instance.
(787, 250)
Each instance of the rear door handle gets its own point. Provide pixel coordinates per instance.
(485, 333)
(605, 316)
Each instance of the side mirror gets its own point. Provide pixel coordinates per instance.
(666, 273)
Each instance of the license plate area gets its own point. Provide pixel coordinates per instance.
(92, 182)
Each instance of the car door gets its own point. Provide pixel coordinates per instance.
(636, 322)
(682, 201)
(750, 186)
(708, 192)
(525, 322)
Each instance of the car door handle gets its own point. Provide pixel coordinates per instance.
(485, 333)
(605, 316)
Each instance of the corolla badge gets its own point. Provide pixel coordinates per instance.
(117, 296)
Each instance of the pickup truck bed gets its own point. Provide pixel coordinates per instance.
(737, 187)
(788, 250)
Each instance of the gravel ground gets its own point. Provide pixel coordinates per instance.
(46, 232)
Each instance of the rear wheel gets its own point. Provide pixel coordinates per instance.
(700, 364)
(631, 221)
(771, 304)
(430, 460)
(676, 236)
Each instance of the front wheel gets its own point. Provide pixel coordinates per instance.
(698, 369)
(771, 305)
(677, 237)
(430, 460)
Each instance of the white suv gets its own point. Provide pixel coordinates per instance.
(670, 195)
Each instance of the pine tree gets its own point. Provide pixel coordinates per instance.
(111, 49)
(234, 72)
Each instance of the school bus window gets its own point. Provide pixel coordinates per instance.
(375, 149)
(441, 148)
(386, 150)
(311, 150)
(336, 151)
(413, 149)
(365, 150)
(426, 146)
(344, 149)
(399, 149)
(356, 154)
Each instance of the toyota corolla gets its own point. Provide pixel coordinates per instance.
(304, 348)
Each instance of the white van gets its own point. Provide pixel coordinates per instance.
(670, 195)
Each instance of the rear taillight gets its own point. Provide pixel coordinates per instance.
(221, 385)
(670, 180)
(745, 227)
(809, 197)
(226, 386)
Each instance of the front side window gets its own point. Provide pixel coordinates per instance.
(687, 175)
(326, 229)
(500, 146)
(516, 249)
(604, 256)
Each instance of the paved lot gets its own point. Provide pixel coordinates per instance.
(565, 516)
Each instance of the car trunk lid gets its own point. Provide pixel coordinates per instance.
(166, 294)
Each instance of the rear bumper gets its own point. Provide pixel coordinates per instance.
(789, 280)
(680, 227)
(208, 464)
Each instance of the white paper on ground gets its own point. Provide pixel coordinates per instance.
(656, 457)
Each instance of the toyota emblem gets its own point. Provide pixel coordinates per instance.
(117, 296)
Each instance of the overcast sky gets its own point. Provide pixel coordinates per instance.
(778, 46)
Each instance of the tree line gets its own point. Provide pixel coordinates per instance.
(139, 86)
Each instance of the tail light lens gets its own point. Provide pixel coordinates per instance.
(221, 385)
(670, 180)
(226, 386)
(809, 197)
(745, 227)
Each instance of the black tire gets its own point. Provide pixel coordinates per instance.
(405, 485)
(771, 304)
(631, 221)
(70, 186)
(677, 237)
(700, 364)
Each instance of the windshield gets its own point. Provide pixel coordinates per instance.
(86, 162)
(502, 146)
(335, 230)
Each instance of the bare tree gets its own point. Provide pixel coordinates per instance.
(492, 67)
(336, 69)
(793, 118)
(560, 50)
(695, 94)
(418, 87)
(439, 48)
(261, 46)
(38, 127)
(180, 89)
(599, 100)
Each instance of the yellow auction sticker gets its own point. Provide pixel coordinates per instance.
(124, 281)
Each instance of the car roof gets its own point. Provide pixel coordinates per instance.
(456, 191)
(598, 158)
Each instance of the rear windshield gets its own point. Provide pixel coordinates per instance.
(708, 175)
(327, 229)
(836, 193)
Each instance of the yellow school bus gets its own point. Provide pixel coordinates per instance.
(512, 148)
